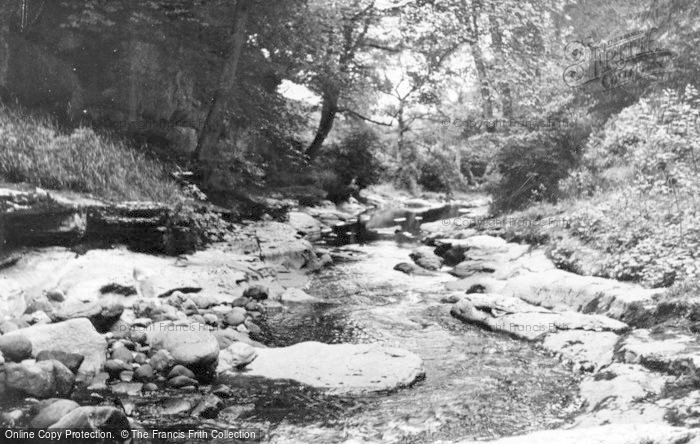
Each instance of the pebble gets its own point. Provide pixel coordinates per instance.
(150, 387)
(15, 347)
(126, 376)
(56, 295)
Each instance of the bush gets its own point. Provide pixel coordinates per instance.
(439, 171)
(351, 158)
(531, 165)
(34, 151)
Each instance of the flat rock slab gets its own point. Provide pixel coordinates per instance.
(609, 434)
(660, 352)
(588, 340)
(340, 368)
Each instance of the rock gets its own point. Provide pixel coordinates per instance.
(343, 368)
(280, 245)
(209, 407)
(622, 393)
(298, 296)
(412, 269)
(138, 336)
(162, 361)
(39, 318)
(182, 381)
(43, 379)
(103, 313)
(8, 326)
(99, 382)
(40, 303)
(115, 367)
(94, 418)
(140, 358)
(71, 360)
(15, 347)
(150, 387)
(164, 282)
(127, 388)
(306, 225)
(591, 350)
(203, 301)
(191, 345)
(12, 302)
(257, 292)
(144, 373)
(608, 434)
(667, 351)
(53, 412)
(228, 337)
(123, 354)
(56, 295)
(252, 327)
(2, 361)
(126, 376)
(424, 257)
(211, 319)
(240, 302)
(236, 317)
(76, 335)
(175, 406)
(222, 391)
(236, 356)
(519, 318)
(180, 370)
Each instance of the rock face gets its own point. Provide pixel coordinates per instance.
(43, 379)
(191, 345)
(340, 368)
(609, 434)
(76, 335)
(668, 351)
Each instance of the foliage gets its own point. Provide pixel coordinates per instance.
(352, 158)
(439, 171)
(35, 151)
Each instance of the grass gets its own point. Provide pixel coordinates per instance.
(35, 151)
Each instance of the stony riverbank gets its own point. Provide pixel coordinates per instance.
(640, 373)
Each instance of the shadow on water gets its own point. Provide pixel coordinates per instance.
(401, 224)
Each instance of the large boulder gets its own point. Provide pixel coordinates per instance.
(76, 335)
(191, 345)
(340, 368)
(43, 379)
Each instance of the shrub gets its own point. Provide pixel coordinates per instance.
(36, 152)
(351, 158)
(530, 166)
(438, 171)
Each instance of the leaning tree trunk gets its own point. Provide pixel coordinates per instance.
(331, 95)
(213, 125)
(504, 86)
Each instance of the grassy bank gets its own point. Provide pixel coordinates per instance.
(36, 151)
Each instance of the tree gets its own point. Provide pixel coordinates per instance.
(212, 128)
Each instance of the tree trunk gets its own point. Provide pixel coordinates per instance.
(331, 95)
(480, 65)
(213, 126)
(504, 86)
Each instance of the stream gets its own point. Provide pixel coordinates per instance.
(478, 384)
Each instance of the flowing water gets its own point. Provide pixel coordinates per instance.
(478, 384)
